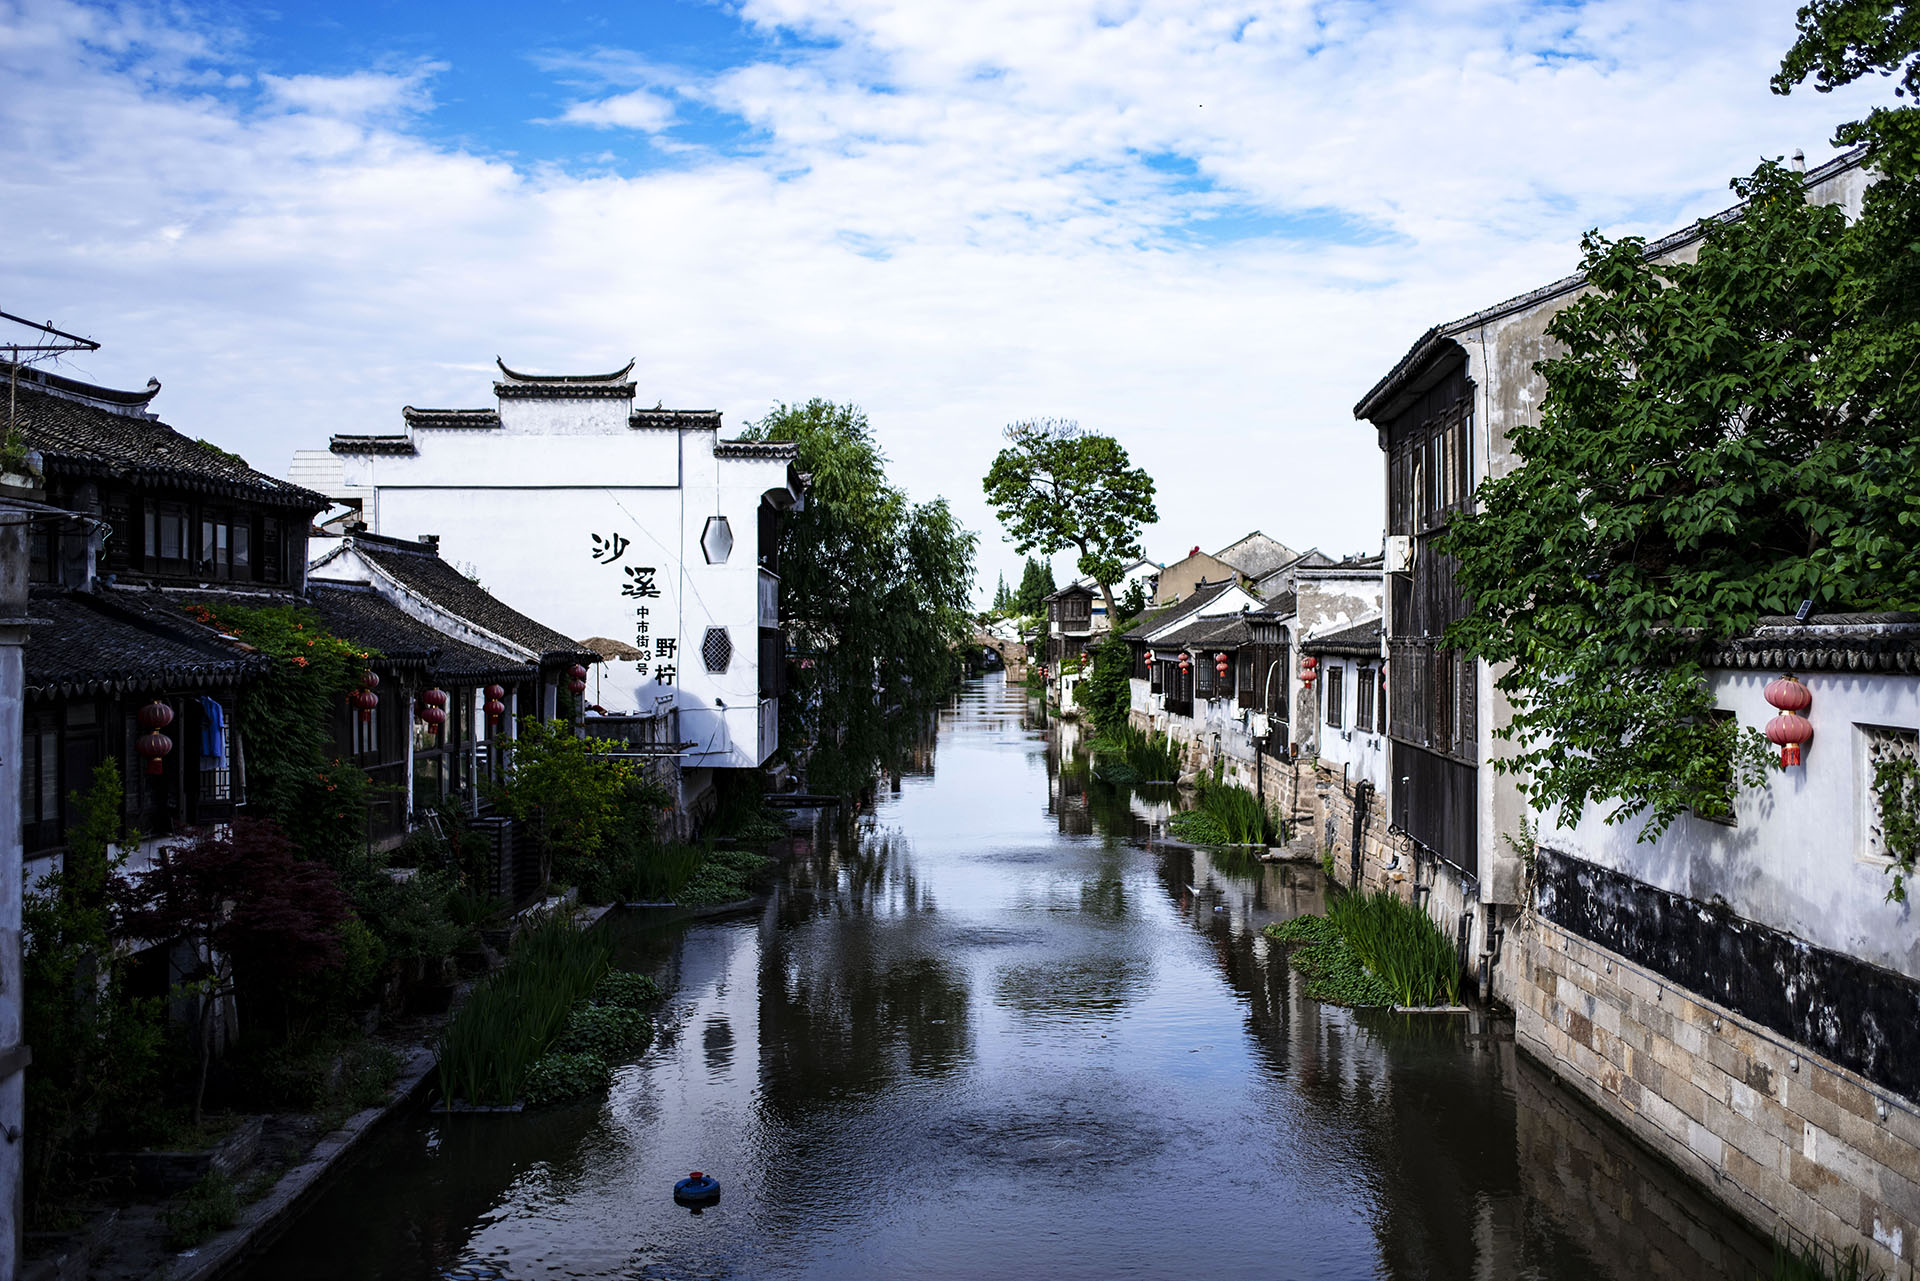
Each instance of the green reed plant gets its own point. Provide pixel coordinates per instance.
(1400, 945)
(1226, 814)
(512, 1017)
(1148, 758)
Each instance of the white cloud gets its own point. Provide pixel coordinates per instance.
(361, 95)
(640, 109)
(947, 216)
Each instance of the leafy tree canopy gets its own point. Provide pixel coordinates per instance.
(876, 590)
(1841, 41)
(1055, 486)
(1719, 440)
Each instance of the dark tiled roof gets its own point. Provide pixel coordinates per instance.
(1360, 640)
(1879, 642)
(1179, 609)
(420, 570)
(782, 450)
(362, 615)
(82, 644)
(668, 418)
(80, 437)
(1229, 632)
(471, 419)
(519, 386)
(372, 445)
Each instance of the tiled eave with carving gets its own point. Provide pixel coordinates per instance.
(779, 451)
(676, 419)
(456, 419)
(1881, 642)
(401, 445)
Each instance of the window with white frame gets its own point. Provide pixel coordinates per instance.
(1879, 744)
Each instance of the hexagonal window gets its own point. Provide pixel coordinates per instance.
(716, 540)
(717, 649)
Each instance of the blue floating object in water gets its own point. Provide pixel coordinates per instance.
(697, 1189)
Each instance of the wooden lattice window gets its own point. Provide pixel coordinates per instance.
(1334, 694)
(1363, 700)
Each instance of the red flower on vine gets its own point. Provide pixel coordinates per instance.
(299, 661)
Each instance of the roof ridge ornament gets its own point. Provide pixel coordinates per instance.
(515, 376)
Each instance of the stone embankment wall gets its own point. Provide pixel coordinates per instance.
(1792, 1141)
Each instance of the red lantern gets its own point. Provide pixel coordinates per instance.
(1789, 730)
(1149, 658)
(366, 700)
(578, 687)
(435, 718)
(1186, 661)
(154, 745)
(496, 706)
(370, 679)
(1308, 666)
(578, 672)
(1220, 664)
(435, 698)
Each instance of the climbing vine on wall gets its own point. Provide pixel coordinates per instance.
(295, 775)
(1896, 789)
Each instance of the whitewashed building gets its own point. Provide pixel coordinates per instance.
(637, 531)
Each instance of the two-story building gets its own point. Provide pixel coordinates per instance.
(1737, 991)
(607, 520)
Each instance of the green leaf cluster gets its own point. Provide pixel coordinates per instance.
(295, 777)
(876, 592)
(1056, 486)
(568, 783)
(1896, 793)
(1720, 439)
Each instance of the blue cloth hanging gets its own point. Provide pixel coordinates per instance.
(213, 734)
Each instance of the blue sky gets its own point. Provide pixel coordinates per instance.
(1205, 228)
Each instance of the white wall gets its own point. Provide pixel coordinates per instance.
(1360, 754)
(1793, 859)
(524, 509)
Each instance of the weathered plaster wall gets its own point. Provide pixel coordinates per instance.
(1795, 859)
(1355, 753)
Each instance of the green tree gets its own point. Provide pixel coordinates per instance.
(1841, 41)
(1108, 690)
(96, 1049)
(876, 590)
(1133, 603)
(570, 785)
(1055, 486)
(1719, 440)
(1036, 584)
(1002, 598)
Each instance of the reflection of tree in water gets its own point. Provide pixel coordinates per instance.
(855, 990)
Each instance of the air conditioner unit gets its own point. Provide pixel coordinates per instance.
(1399, 553)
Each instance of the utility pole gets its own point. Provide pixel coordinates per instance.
(21, 505)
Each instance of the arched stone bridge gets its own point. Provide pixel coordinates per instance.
(1012, 653)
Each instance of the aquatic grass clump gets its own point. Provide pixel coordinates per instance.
(1372, 949)
(1400, 944)
(512, 1017)
(1130, 755)
(1802, 1260)
(1227, 814)
(607, 1027)
(724, 876)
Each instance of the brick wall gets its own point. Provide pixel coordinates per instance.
(1784, 1138)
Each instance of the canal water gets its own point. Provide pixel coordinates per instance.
(1002, 1030)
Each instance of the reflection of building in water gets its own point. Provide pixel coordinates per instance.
(1629, 1215)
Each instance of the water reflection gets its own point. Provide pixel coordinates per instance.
(1001, 1025)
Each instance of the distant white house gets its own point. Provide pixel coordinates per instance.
(639, 532)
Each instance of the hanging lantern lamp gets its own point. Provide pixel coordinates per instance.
(153, 745)
(1790, 730)
(496, 702)
(1309, 668)
(370, 679)
(1220, 664)
(435, 698)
